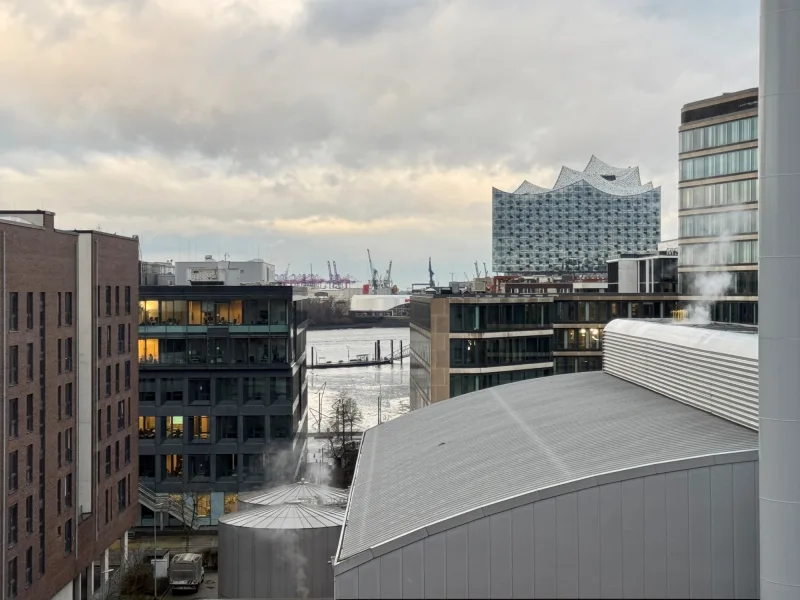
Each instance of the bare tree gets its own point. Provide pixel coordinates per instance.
(187, 505)
(345, 419)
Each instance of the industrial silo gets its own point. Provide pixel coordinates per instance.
(302, 491)
(281, 551)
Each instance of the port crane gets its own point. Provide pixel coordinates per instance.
(373, 273)
(485, 270)
(430, 273)
(477, 270)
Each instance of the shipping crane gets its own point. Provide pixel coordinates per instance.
(430, 273)
(485, 271)
(373, 274)
(387, 282)
(336, 277)
(477, 271)
(330, 275)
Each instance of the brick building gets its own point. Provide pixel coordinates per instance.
(69, 375)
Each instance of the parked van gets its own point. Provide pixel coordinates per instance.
(186, 572)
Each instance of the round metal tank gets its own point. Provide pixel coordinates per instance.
(281, 551)
(302, 491)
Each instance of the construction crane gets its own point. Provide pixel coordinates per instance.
(387, 281)
(430, 273)
(373, 274)
(477, 270)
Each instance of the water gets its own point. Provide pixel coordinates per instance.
(366, 385)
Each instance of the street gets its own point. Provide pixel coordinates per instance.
(207, 590)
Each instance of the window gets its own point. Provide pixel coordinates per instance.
(127, 299)
(227, 428)
(227, 390)
(254, 428)
(13, 311)
(147, 428)
(68, 445)
(68, 308)
(108, 300)
(58, 343)
(29, 566)
(99, 421)
(121, 415)
(280, 426)
(116, 299)
(29, 412)
(173, 427)
(172, 390)
(99, 342)
(129, 337)
(127, 374)
(731, 132)
(12, 578)
(41, 553)
(108, 508)
(29, 514)
(116, 455)
(226, 465)
(108, 380)
(116, 378)
(199, 466)
(108, 461)
(13, 470)
(59, 448)
(13, 365)
(231, 500)
(720, 253)
(29, 363)
(127, 449)
(255, 390)
(715, 165)
(121, 338)
(199, 428)
(13, 531)
(203, 505)
(108, 340)
(147, 389)
(147, 466)
(58, 496)
(29, 310)
(199, 391)
(29, 464)
(13, 418)
(108, 421)
(173, 466)
(68, 536)
(59, 309)
(68, 355)
(68, 491)
(68, 399)
(253, 466)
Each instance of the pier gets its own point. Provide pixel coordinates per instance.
(364, 360)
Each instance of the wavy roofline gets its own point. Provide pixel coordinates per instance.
(597, 174)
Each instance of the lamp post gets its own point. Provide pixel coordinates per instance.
(156, 508)
(319, 407)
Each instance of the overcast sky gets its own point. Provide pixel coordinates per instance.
(309, 131)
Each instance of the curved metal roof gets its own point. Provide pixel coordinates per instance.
(303, 491)
(460, 459)
(685, 334)
(287, 516)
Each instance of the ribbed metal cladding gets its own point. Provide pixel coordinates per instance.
(725, 385)
(779, 290)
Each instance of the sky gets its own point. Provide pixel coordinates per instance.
(307, 131)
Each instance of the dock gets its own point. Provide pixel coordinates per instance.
(352, 363)
(364, 360)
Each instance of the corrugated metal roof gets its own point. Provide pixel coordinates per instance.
(302, 490)
(488, 446)
(286, 516)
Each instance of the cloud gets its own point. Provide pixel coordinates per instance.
(344, 120)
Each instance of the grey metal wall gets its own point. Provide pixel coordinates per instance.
(685, 534)
(276, 563)
(779, 329)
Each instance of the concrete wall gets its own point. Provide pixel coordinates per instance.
(684, 534)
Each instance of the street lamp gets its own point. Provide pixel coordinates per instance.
(156, 508)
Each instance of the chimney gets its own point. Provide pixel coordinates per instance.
(779, 289)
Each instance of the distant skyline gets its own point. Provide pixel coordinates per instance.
(309, 131)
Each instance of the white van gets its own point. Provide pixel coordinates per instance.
(186, 572)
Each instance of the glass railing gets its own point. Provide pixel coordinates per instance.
(155, 330)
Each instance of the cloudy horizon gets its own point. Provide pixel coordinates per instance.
(303, 131)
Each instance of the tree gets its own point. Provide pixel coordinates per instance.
(187, 505)
(345, 418)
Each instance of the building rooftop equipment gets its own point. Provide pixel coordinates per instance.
(302, 491)
(295, 515)
(489, 451)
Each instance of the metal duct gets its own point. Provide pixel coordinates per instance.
(779, 272)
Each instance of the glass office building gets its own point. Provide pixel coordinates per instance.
(222, 391)
(718, 205)
(587, 218)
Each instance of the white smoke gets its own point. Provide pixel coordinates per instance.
(713, 285)
(293, 559)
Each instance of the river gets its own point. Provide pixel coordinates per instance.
(366, 385)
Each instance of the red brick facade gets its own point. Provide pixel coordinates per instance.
(43, 262)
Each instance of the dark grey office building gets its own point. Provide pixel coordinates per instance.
(222, 393)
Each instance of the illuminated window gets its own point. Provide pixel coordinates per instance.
(173, 465)
(230, 502)
(147, 428)
(173, 427)
(235, 311)
(148, 351)
(200, 428)
(203, 505)
(148, 312)
(173, 312)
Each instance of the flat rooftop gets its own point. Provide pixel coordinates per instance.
(458, 460)
(711, 325)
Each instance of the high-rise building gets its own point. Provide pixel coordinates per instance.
(718, 205)
(69, 424)
(586, 218)
(222, 390)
